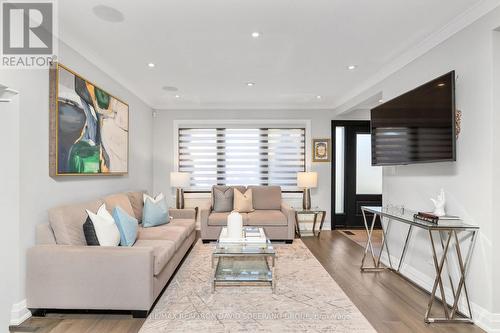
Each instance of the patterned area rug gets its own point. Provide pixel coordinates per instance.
(307, 299)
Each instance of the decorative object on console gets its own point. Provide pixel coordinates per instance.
(235, 225)
(179, 180)
(306, 181)
(89, 128)
(243, 202)
(439, 204)
(155, 211)
(106, 231)
(127, 225)
(321, 150)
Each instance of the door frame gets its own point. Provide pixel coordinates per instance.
(334, 125)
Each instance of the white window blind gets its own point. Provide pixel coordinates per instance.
(242, 156)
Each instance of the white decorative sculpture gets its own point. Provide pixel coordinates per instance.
(439, 204)
(235, 225)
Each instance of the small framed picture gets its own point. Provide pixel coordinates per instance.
(321, 150)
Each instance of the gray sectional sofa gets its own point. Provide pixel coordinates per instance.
(64, 273)
(276, 217)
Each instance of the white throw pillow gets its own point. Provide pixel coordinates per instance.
(155, 199)
(105, 227)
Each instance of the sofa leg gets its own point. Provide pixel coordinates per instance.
(38, 312)
(289, 241)
(139, 314)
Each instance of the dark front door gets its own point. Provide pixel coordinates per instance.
(356, 182)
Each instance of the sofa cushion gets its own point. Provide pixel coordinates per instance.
(189, 224)
(119, 200)
(267, 218)
(137, 203)
(266, 197)
(67, 222)
(176, 234)
(230, 193)
(220, 219)
(163, 251)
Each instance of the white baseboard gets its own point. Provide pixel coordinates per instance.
(488, 321)
(19, 313)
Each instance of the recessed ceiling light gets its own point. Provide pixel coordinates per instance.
(255, 34)
(351, 67)
(318, 97)
(170, 88)
(177, 96)
(151, 65)
(108, 14)
(250, 84)
(381, 101)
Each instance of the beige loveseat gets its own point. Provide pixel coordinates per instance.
(64, 273)
(270, 212)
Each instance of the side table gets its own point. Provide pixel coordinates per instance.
(316, 212)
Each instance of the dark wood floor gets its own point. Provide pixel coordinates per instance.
(389, 302)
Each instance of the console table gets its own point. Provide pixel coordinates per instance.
(448, 231)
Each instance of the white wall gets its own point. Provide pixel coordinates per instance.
(164, 147)
(468, 182)
(9, 206)
(37, 190)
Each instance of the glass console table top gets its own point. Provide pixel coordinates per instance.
(406, 215)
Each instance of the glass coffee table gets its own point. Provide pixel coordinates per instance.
(244, 264)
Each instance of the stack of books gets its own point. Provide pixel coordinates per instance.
(431, 218)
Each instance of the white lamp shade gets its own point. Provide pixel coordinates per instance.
(180, 179)
(307, 179)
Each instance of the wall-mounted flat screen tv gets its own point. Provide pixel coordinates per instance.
(416, 127)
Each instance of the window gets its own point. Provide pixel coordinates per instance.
(242, 156)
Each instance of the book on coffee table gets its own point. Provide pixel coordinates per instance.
(251, 235)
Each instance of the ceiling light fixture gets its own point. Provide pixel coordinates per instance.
(351, 67)
(151, 65)
(255, 34)
(381, 101)
(318, 97)
(108, 14)
(177, 96)
(250, 84)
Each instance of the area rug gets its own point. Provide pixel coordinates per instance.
(307, 299)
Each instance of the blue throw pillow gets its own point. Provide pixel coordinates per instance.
(127, 225)
(154, 213)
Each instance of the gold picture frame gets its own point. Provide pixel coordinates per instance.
(109, 115)
(321, 150)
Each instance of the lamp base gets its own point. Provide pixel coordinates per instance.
(306, 199)
(179, 198)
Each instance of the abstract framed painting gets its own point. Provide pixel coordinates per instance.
(321, 150)
(89, 128)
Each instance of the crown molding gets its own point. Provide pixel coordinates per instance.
(453, 27)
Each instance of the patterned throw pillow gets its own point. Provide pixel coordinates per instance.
(223, 199)
(243, 202)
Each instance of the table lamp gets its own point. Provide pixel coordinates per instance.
(179, 180)
(306, 181)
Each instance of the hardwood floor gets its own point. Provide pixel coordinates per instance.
(388, 301)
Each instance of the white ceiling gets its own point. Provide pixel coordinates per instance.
(205, 48)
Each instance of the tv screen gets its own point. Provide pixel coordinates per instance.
(416, 127)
